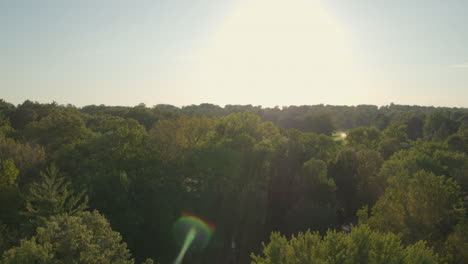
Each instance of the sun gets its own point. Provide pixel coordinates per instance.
(272, 46)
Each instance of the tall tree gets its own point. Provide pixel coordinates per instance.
(84, 238)
(421, 207)
(52, 196)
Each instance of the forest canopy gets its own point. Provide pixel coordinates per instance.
(296, 184)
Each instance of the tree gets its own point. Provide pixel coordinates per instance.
(60, 128)
(84, 238)
(27, 157)
(248, 169)
(421, 207)
(6, 107)
(355, 171)
(173, 136)
(315, 172)
(361, 246)
(314, 204)
(9, 204)
(143, 115)
(433, 157)
(319, 123)
(8, 237)
(104, 123)
(454, 165)
(8, 173)
(366, 136)
(415, 127)
(455, 248)
(52, 196)
(420, 253)
(21, 117)
(9, 192)
(5, 127)
(456, 143)
(438, 126)
(394, 138)
(459, 141)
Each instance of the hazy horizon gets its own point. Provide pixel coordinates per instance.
(224, 105)
(235, 52)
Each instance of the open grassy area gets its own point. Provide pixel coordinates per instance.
(339, 136)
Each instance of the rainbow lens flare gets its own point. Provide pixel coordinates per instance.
(192, 231)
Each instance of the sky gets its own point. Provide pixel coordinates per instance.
(259, 52)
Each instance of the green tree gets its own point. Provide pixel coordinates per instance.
(104, 123)
(9, 191)
(415, 127)
(366, 136)
(428, 156)
(315, 172)
(394, 138)
(421, 207)
(315, 202)
(419, 253)
(8, 173)
(8, 237)
(361, 246)
(22, 117)
(438, 126)
(60, 128)
(5, 127)
(321, 123)
(27, 157)
(459, 141)
(174, 136)
(9, 204)
(83, 238)
(455, 248)
(355, 172)
(52, 196)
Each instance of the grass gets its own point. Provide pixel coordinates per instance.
(338, 136)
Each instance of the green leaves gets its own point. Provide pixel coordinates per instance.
(423, 206)
(355, 171)
(420, 254)
(52, 196)
(367, 136)
(65, 127)
(29, 251)
(248, 169)
(275, 252)
(361, 246)
(8, 173)
(438, 126)
(85, 238)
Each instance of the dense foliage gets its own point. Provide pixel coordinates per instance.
(92, 184)
(360, 246)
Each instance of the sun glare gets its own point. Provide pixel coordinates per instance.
(272, 46)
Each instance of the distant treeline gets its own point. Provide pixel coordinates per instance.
(308, 118)
(105, 184)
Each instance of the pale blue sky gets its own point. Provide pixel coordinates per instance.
(261, 52)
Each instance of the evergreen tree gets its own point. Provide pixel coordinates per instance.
(52, 196)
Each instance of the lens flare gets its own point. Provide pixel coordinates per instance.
(191, 231)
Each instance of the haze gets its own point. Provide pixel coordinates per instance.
(261, 52)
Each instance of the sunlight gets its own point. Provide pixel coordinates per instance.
(271, 45)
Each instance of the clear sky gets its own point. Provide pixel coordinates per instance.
(260, 52)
